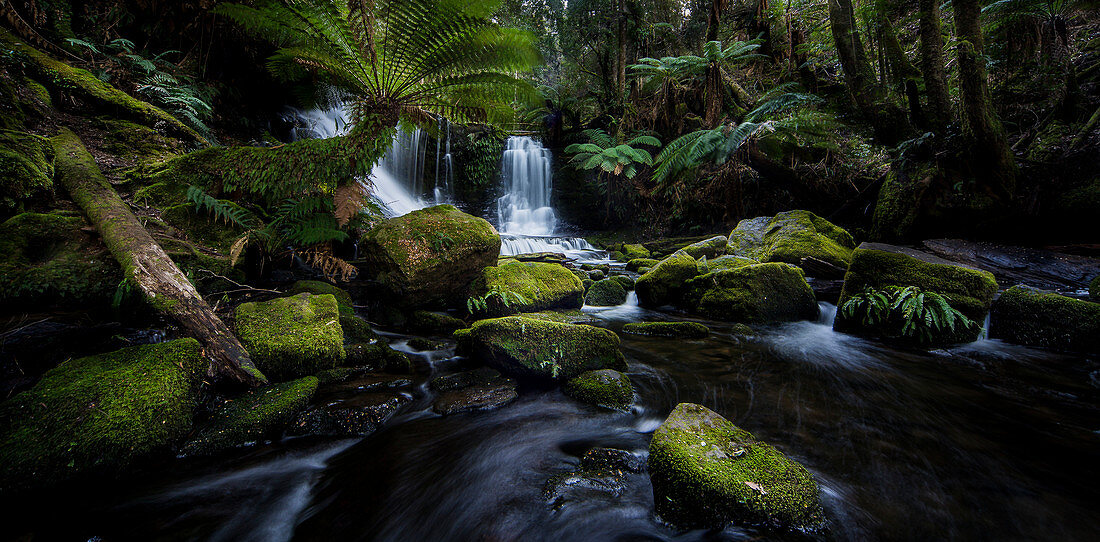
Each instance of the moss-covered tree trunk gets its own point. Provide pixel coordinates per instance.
(713, 101)
(145, 263)
(931, 63)
(853, 59)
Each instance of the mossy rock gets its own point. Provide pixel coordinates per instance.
(631, 252)
(605, 293)
(203, 227)
(99, 413)
(761, 293)
(26, 167)
(54, 260)
(728, 262)
(970, 291)
(618, 256)
(435, 322)
(897, 211)
(429, 255)
(707, 472)
(316, 287)
(665, 282)
(1094, 288)
(607, 388)
(357, 330)
(543, 350)
(1033, 317)
(161, 195)
(292, 337)
(253, 417)
(542, 286)
(586, 284)
(377, 357)
(137, 143)
(791, 236)
(684, 330)
(637, 264)
(626, 282)
(709, 248)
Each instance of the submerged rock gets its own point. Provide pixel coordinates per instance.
(604, 387)
(477, 389)
(664, 283)
(430, 254)
(686, 330)
(1032, 317)
(543, 350)
(606, 293)
(99, 413)
(292, 337)
(540, 286)
(707, 472)
(791, 236)
(710, 248)
(761, 293)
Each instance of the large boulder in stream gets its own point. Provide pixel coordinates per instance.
(760, 293)
(664, 283)
(607, 388)
(710, 248)
(252, 417)
(529, 287)
(1033, 317)
(294, 336)
(791, 237)
(99, 413)
(605, 293)
(429, 255)
(541, 349)
(707, 472)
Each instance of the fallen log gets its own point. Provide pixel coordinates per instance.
(146, 265)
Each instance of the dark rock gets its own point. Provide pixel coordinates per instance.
(482, 397)
(1033, 317)
(1045, 269)
(612, 459)
(687, 330)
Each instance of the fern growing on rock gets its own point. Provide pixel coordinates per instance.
(907, 313)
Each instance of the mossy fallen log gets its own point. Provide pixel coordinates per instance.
(146, 265)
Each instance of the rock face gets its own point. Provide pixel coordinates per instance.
(791, 236)
(761, 293)
(292, 337)
(1034, 317)
(707, 472)
(252, 417)
(541, 349)
(429, 255)
(605, 387)
(606, 293)
(686, 330)
(710, 248)
(542, 286)
(664, 283)
(99, 413)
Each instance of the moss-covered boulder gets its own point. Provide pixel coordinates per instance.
(727, 262)
(99, 413)
(357, 330)
(607, 388)
(684, 330)
(637, 264)
(761, 293)
(605, 293)
(377, 357)
(791, 236)
(316, 287)
(626, 282)
(707, 472)
(631, 252)
(1033, 317)
(529, 286)
(54, 260)
(709, 248)
(664, 284)
(292, 337)
(252, 417)
(543, 350)
(429, 255)
(434, 322)
(26, 167)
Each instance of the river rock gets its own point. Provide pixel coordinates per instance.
(292, 337)
(637, 264)
(728, 261)
(543, 350)
(434, 322)
(684, 330)
(253, 417)
(631, 252)
(791, 236)
(316, 287)
(707, 472)
(99, 413)
(356, 407)
(604, 387)
(709, 248)
(1046, 269)
(477, 389)
(357, 330)
(1033, 317)
(761, 293)
(429, 255)
(540, 286)
(665, 282)
(606, 293)
(377, 357)
(626, 282)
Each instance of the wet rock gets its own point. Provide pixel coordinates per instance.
(292, 337)
(434, 322)
(568, 487)
(761, 293)
(664, 283)
(477, 397)
(596, 274)
(606, 293)
(791, 236)
(543, 350)
(1033, 317)
(358, 330)
(357, 407)
(611, 459)
(686, 330)
(626, 282)
(709, 248)
(539, 286)
(1046, 269)
(421, 344)
(474, 377)
(604, 387)
(377, 357)
(707, 472)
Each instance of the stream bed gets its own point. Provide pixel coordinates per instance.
(983, 441)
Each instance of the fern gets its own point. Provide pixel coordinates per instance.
(908, 312)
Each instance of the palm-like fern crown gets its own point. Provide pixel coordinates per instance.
(678, 69)
(604, 152)
(406, 60)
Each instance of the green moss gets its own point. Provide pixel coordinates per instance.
(434, 322)
(357, 330)
(626, 282)
(252, 417)
(26, 167)
(728, 262)
(899, 202)
(707, 472)
(50, 260)
(761, 293)
(1034, 317)
(636, 264)
(203, 228)
(99, 412)
(791, 236)
(544, 350)
(664, 283)
(571, 316)
(741, 329)
(686, 330)
(161, 195)
(136, 143)
(316, 287)
(542, 286)
(631, 252)
(710, 248)
(605, 293)
(294, 336)
(1094, 288)
(605, 387)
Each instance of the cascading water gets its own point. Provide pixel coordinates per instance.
(525, 218)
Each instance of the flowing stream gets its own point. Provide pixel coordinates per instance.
(983, 441)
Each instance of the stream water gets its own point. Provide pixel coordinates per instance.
(984, 441)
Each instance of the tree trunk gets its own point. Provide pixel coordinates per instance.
(996, 165)
(853, 58)
(931, 53)
(145, 264)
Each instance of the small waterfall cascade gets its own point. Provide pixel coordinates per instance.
(525, 217)
(444, 164)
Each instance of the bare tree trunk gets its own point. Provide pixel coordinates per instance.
(931, 53)
(145, 263)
